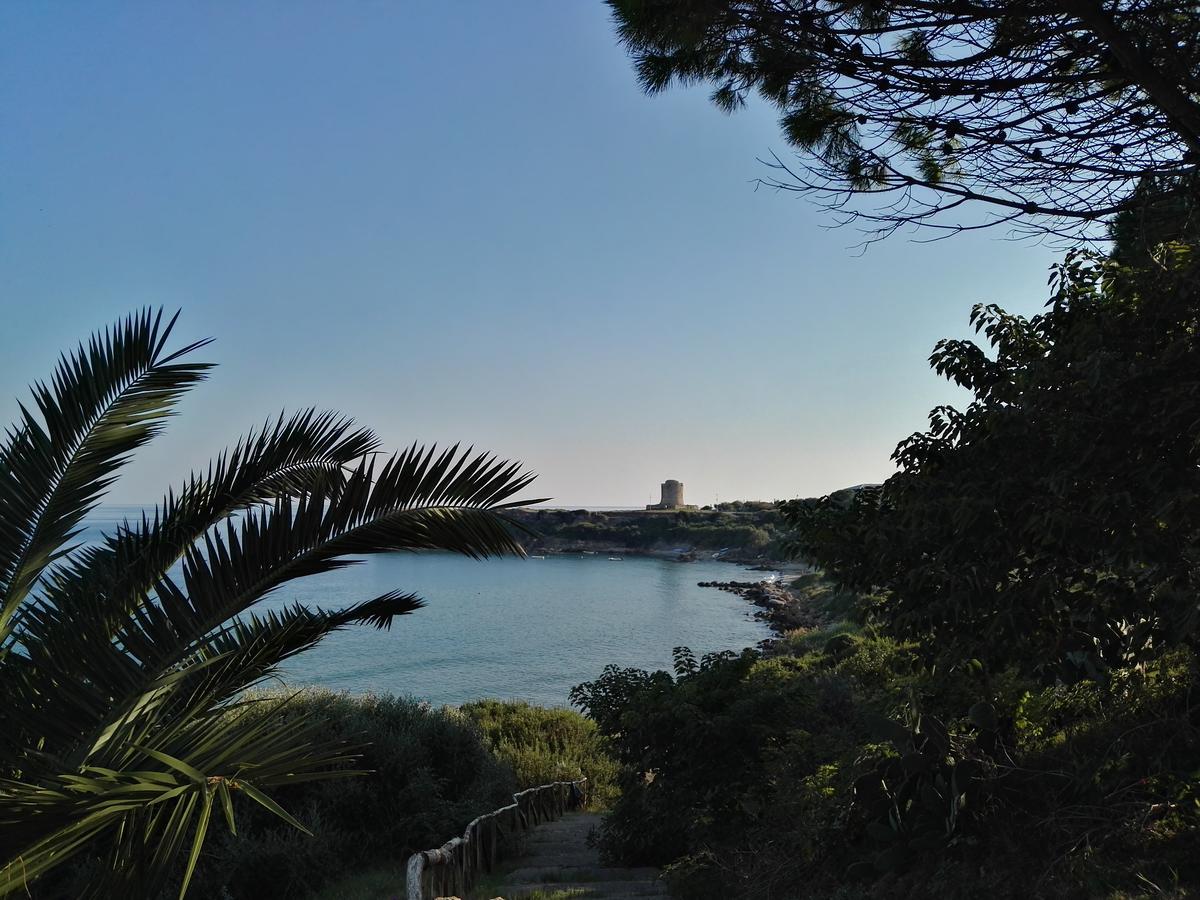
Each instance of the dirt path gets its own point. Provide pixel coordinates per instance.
(559, 864)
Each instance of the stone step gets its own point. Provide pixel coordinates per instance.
(589, 873)
(555, 857)
(534, 870)
(558, 846)
(589, 890)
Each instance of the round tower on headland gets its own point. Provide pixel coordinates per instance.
(672, 496)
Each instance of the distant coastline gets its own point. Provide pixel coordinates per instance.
(747, 533)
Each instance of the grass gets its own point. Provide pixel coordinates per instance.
(544, 745)
(839, 609)
(813, 640)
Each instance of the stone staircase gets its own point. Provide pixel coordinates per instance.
(557, 863)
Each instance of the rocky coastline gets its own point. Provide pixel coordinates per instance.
(781, 609)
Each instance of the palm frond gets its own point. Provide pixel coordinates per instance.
(124, 664)
(305, 451)
(249, 649)
(70, 669)
(160, 795)
(402, 508)
(104, 401)
(233, 567)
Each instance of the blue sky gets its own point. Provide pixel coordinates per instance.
(460, 221)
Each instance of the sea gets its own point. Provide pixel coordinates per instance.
(528, 629)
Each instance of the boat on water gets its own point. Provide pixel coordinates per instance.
(615, 559)
(537, 557)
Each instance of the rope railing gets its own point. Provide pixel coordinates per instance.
(453, 868)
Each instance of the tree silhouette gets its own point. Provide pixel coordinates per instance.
(1047, 112)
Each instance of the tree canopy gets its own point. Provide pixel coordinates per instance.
(1053, 522)
(1048, 112)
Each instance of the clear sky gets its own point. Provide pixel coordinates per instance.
(460, 221)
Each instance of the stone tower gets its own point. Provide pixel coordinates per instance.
(672, 496)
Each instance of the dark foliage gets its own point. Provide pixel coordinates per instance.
(742, 528)
(428, 774)
(857, 771)
(1053, 522)
(1046, 111)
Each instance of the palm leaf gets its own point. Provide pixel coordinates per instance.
(305, 451)
(90, 596)
(104, 401)
(155, 800)
(125, 663)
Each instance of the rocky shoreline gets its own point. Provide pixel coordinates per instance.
(782, 610)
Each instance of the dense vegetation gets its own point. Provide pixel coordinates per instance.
(858, 770)
(745, 530)
(1051, 523)
(427, 772)
(1005, 705)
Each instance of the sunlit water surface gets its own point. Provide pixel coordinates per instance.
(512, 628)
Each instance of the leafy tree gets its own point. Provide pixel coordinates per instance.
(1160, 211)
(123, 664)
(1046, 111)
(853, 771)
(693, 748)
(1054, 521)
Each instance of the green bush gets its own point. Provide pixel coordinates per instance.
(430, 771)
(429, 774)
(856, 770)
(702, 753)
(542, 745)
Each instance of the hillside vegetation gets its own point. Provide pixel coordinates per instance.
(743, 530)
(425, 772)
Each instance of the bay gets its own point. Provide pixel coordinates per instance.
(526, 629)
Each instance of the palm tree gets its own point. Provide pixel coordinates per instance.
(123, 665)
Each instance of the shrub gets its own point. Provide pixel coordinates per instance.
(701, 752)
(856, 770)
(429, 773)
(543, 745)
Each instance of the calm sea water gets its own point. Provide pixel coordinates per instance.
(511, 628)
